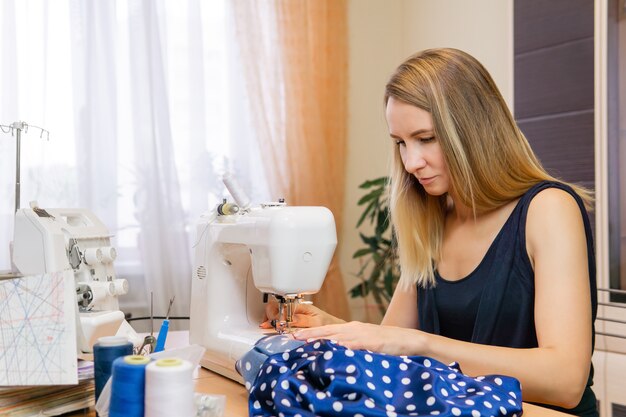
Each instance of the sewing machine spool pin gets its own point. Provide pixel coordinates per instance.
(227, 209)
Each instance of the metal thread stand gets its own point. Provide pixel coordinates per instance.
(18, 127)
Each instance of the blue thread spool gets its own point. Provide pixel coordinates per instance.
(128, 386)
(105, 351)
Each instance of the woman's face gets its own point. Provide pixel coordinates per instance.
(411, 128)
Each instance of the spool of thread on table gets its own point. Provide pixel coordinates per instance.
(128, 386)
(169, 388)
(105, 351)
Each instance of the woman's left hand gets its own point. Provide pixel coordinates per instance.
(373, 337)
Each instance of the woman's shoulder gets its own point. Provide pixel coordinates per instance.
(554, 215)
(553, 197)
(550, 196)
(553, 204)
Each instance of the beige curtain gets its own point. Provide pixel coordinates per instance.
(294, 56)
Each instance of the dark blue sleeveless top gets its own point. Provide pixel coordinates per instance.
(504, 296)
(458, 301)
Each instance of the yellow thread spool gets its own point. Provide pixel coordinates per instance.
(136, 360)
(169, 362)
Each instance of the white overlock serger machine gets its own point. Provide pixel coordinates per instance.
(58, 239)
(244, 254)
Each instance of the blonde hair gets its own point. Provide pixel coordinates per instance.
(488, 157)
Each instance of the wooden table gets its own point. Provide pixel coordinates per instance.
(237, 397)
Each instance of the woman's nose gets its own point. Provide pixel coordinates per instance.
(413, 160)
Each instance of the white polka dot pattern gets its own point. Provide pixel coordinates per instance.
(325, 379)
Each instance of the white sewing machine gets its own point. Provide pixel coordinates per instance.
(243, 253)
(53, 240)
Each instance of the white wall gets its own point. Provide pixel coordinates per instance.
(382, 33)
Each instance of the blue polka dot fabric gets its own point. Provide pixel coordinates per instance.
(322, 378)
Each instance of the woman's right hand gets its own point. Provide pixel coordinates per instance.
(305, 315)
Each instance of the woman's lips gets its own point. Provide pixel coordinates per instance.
(425, 181)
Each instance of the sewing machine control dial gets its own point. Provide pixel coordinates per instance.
(84, 296)
(74, 255)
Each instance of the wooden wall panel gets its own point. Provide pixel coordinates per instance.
(554, 84)
(555, 79)
(546, 23)
(563, 146)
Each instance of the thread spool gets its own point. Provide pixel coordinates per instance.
(108, 254)
(120, 286)
(128, 386)
(92, 256)
(169, 388)
(105, 351)
(236, 191)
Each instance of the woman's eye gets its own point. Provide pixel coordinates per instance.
(400, 142)
(427, 140)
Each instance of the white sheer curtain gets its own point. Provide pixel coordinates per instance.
(144, 108)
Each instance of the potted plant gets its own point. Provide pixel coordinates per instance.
(379, 268)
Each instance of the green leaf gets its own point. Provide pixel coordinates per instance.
(369, 240)
(378, 181)
(382, 223)
(377, 258)
(361, 252)
(385, 242)
(372, 205)
(360, 290)
(370, 196)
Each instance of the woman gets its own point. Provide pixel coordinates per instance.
(498, 270)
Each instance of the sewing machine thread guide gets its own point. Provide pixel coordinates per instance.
(149, 341)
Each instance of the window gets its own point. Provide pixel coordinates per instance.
(68, 67)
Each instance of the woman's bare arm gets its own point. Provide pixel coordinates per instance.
(557, 370)
(402, 310)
